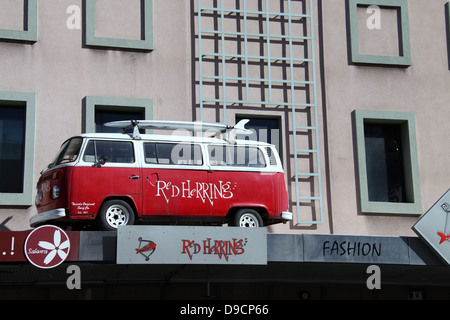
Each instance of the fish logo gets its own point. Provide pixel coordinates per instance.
(444, 237)
(146, 248)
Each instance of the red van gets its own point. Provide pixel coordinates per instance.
(110, 180)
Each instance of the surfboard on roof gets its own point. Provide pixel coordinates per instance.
(177, 125)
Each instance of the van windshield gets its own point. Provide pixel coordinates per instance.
(68, 152)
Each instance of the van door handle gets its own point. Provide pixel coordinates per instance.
(133, 177)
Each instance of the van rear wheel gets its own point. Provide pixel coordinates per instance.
(247, 218)
(115, 213)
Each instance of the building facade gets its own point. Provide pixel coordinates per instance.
(353, 93)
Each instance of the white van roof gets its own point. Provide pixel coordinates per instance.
(214, 129)
(172, 138)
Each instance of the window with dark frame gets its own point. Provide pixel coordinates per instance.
(12, 148)
(265, 129)
(385, 162)
(103, 116)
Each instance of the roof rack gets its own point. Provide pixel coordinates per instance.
(195, 126)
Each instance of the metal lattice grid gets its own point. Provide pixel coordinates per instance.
(260, 54)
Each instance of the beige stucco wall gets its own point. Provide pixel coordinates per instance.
(422, 88)
(62, 73)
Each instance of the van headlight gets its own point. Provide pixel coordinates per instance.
(39, 197)
(55, 192)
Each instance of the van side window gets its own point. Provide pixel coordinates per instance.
(240, 156)
(115, 151)
(173, 153)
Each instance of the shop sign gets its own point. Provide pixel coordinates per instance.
(434, 227)
(11, 246)
(191, 245)
(355, 249)
(47, 247)
(13, 249)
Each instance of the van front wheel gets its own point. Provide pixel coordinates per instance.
(115, 213)
(247, 218)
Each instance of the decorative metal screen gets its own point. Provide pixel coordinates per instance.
(259, 54)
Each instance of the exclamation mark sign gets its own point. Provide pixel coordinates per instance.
(12, 246)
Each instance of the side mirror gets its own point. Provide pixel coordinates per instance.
(101, 161)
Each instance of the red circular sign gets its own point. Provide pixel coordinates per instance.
(47, 247)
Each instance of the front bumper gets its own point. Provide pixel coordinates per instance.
(46, 216)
